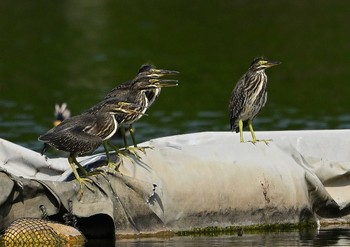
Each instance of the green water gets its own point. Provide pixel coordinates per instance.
(334, 237)
(75, 51)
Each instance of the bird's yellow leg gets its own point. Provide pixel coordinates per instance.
(109, 161)
(122, 132)
(114, 147)
(250, 126)
(82, 181)
(240, 126)
(142, 149)
(254, 140)
(84, 171)
(119, 153)
(81, 168)
(132, 133)
(110, 164)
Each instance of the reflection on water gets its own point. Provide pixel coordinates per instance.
(23, 129)
(323, 237)
(326, 237)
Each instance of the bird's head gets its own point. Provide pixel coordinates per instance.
(261, 63)
(148, 70)
(153, 82)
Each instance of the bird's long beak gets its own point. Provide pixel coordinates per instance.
(164, 83)
(272, 63)
(161, 72)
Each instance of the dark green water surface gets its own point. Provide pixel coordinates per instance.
(75, 51)
(333, 237)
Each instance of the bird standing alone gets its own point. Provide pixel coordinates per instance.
(249, 97)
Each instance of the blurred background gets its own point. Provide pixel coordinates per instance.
(76, 51)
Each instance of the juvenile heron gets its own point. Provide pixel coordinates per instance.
(249, 97)
(151, 71)
(82, 134)
(132, 113)
(142, 90)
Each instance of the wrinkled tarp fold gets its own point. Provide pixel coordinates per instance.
(189, 181)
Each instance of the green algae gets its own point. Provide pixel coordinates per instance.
(252, 229)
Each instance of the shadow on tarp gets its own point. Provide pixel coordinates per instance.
(184, 182)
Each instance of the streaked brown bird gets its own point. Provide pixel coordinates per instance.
(132, 112)
(249, 97)
(83, 134)
(143, 90)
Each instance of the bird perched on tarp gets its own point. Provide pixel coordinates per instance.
(249, 96)
(143, 90)
(82, 134)
(132, 111)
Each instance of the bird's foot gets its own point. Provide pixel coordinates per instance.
(114, 167)
(87, 182)
(122, 153)
(134, 150)
(143, 149)
(266, 141)
(110, 168)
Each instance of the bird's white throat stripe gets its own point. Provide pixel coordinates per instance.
(145, 106)
(114, 130)
(260, 86)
